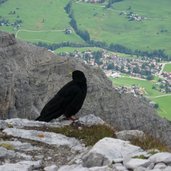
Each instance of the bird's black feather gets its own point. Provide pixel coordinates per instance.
(68, 101)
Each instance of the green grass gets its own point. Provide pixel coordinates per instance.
(164, 106)
(48, 36)
(147, 85)
(167, 68)
(102, 24)
(162, 99)
(47, 16)
(149, 143)
(80, 49)
(89, 135)
(7, 146)
(107, 25)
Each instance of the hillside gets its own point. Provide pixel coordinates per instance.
(128, 28)
(136, 25)
(149, 30)
(31, 75)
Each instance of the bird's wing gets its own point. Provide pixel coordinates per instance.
(75, 104)
(61, 99)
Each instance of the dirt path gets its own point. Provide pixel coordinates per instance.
(36, 31)
(162, 68)
(164, 95)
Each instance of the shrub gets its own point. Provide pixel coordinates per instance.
(7, 146)
(149, 142)
(89, 135)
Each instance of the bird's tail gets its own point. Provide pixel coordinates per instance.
(40, 118)
(48, 117)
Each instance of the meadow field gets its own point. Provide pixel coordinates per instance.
(80, 49)
(129, 81)
(42, 20)
(108, 25)
(164, 105)
(46, 20)
(167, 68)
(162, 99)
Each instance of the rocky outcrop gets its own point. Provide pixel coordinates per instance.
(7, 40)
(128, 135)
(25, 148)
(109, 150)
(30, 76)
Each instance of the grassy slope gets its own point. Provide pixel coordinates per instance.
(108, 25)
(154, 95)
(167, 68)
(127, 81)
(102, 24)
(164, 104)
(80, 49)
(39, 15)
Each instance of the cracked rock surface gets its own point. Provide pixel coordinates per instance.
(24, 149)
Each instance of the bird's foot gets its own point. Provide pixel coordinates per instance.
(73, 118)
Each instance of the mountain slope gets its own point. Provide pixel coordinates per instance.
(30, 76)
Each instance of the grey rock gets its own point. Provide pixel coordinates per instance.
(140, 169)
(119, 167)
(134, 163)
(45, 137)
(87, 120)
(73, 168)
(51, 168)
(108, 149)
(163, 157)
(90, 120)
(130, 134)
(160, 166)
(81, 168)
(30, 76)
(21, 166)
(18, 145)
(167, 168)
(4, 41)
(151, 166)
(20, 123)
(4, 153)
(3, 124)
(104, 168)
(95, 159)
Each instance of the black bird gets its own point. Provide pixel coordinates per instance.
(68, 101)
